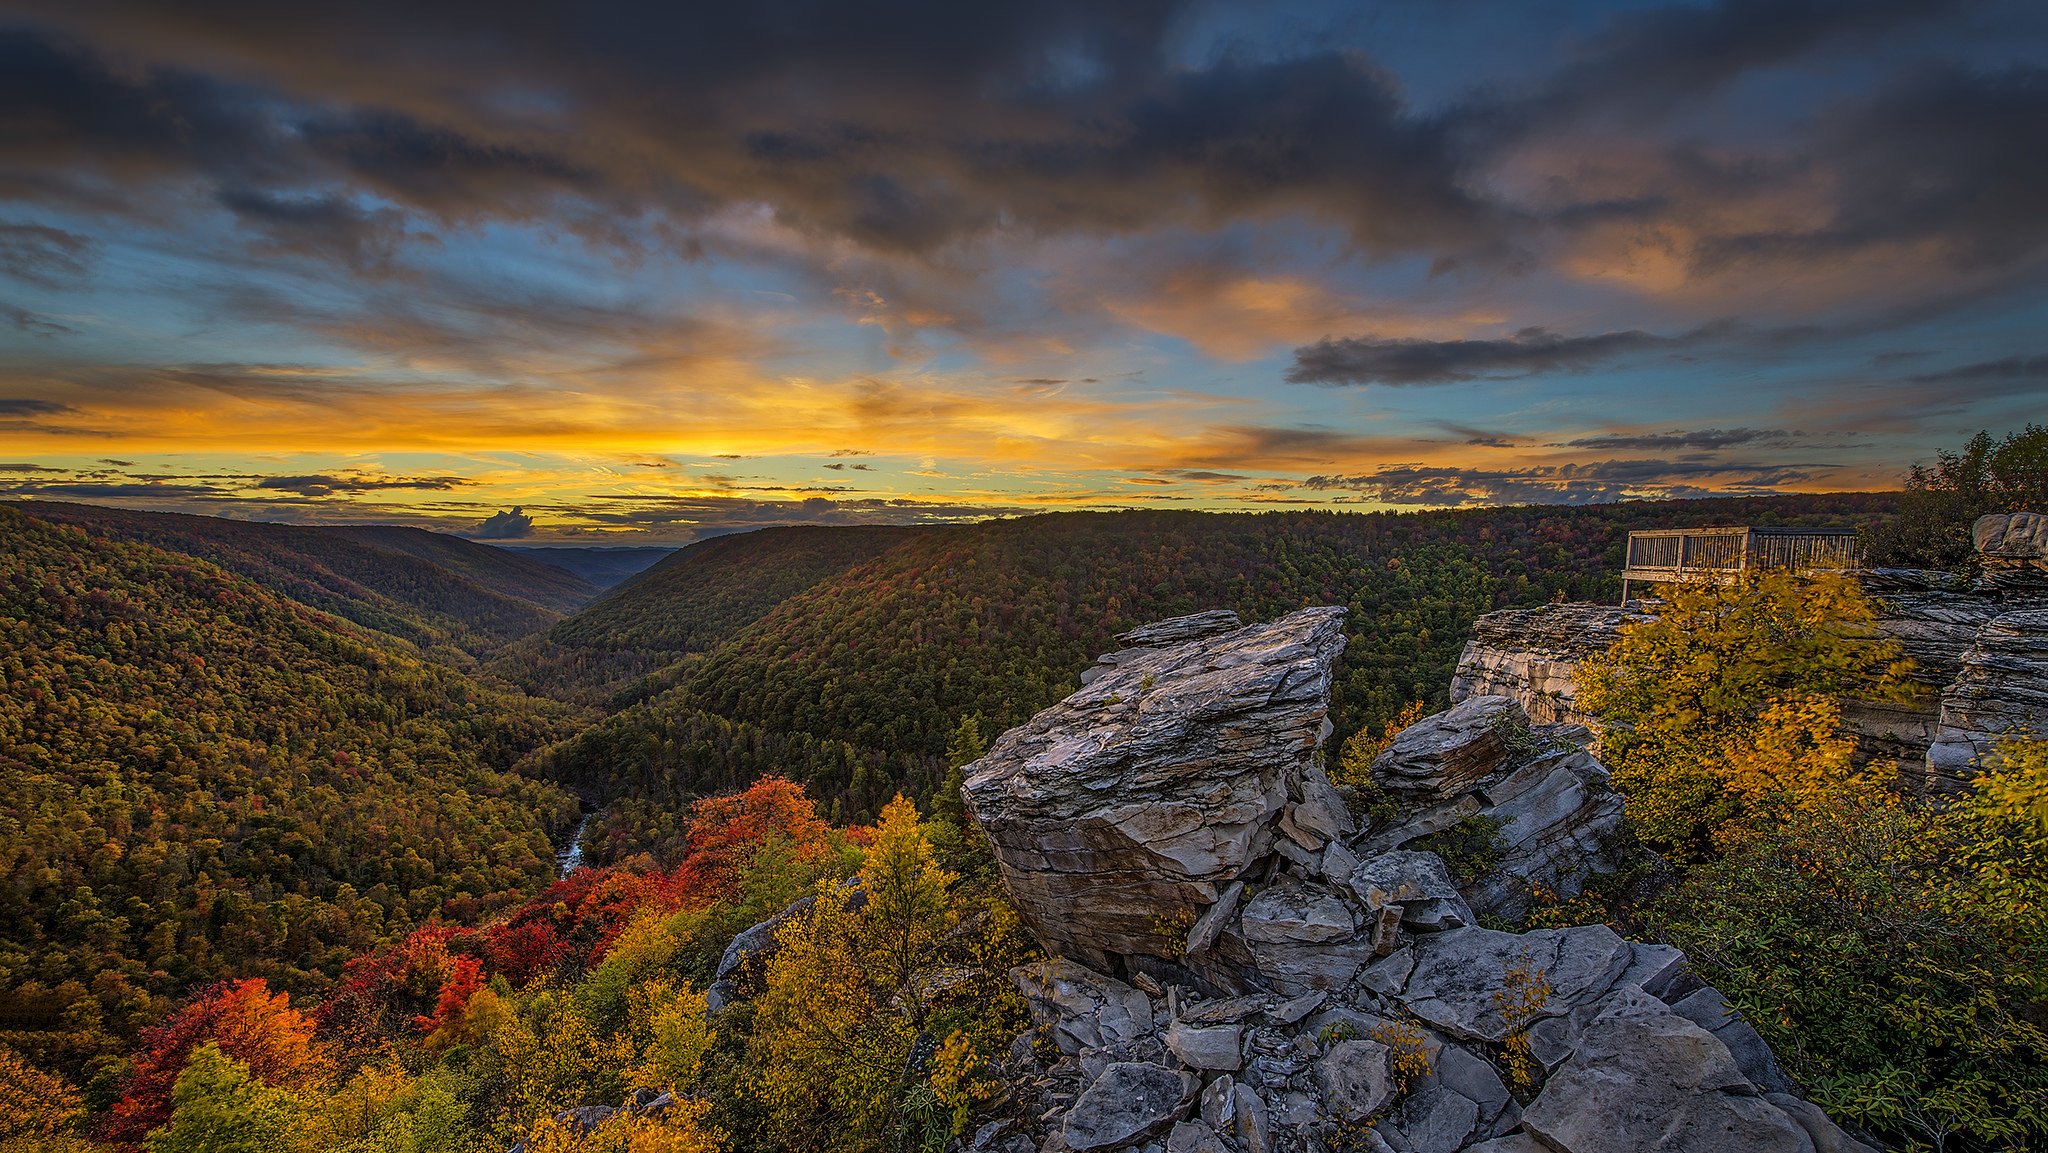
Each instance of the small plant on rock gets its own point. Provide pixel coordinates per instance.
(1523, 993)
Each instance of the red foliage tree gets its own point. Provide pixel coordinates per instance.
(725, 832)
(248, 1022)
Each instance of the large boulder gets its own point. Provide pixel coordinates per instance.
(1642, 1079)
(1129, 1102)
(2012, 536)
(1122, 812)
(1442, 755)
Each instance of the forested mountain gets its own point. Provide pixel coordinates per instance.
(855, 683)
(428, 588)
(688, 603)
(200, 778)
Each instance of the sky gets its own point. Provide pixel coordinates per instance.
(643, 271)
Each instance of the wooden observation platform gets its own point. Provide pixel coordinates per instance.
(1666, 555)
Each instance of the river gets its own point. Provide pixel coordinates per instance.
(570, 858)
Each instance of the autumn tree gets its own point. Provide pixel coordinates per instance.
(841, 1007)
(726, 831)
(36, 1108)
(1730, 683)
(253, 1029)
(219, 1106)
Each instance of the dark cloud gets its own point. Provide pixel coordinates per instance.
(506, 524)
(325, 485)
(1647, 62)
(43, 256)
(1377, 360)
(322, 226)
(1703, 438)
(1594, 482)
(2011, 368)
(28, 406)
(33, 323)
(1950, 157)
(918, 125)
(19, 466)
(843, 465)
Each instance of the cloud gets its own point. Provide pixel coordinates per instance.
(2011, 368)
(320, 485)
(506, 524)
(35, 324)
(44, 256)
(28, 406)
(1444, 486)
(1704, 438)
(1397, 362)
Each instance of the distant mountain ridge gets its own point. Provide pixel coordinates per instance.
(427, 588)
(604, 566)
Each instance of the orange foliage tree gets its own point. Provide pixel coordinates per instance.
(725, 833)
(248, 1022)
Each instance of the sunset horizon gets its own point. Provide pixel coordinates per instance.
(648, 275)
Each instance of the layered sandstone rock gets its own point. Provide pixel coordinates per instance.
(1120, 813)
(1531, 656)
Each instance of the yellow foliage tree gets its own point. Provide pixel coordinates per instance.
(673, 1029)
(1728, 688)
(841, 1008)
(35, 1106)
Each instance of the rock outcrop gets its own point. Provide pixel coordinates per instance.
(1246, 968)
(1979, 648)
(1531, 655)
(1121, 812)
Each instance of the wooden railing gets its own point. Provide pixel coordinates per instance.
(1676, 554)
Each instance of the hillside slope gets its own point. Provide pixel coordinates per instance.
(199, 777)
(427, 588)
(998, 618)
(690, 602)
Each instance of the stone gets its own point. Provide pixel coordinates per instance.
(1431, 1119)
(1472, 1078)
(1443, 755)
(1194, 1137)
(1216, 1047)
(1512, 1143)
(1251, 1126)
(1081, 1008)
(1288, 914)
(1827, 1136)
(1338, 863)
(1128, 1103)
(1290, 1011)
(1356, 1079)
(1457, 974)
(1710, 1011)
(1219, 1104)
(2013, 536)
(1223, 1010)
(584, 1118)
(1148, 791)
(1420, 883)
(1214, 918)
(1641, 1078)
